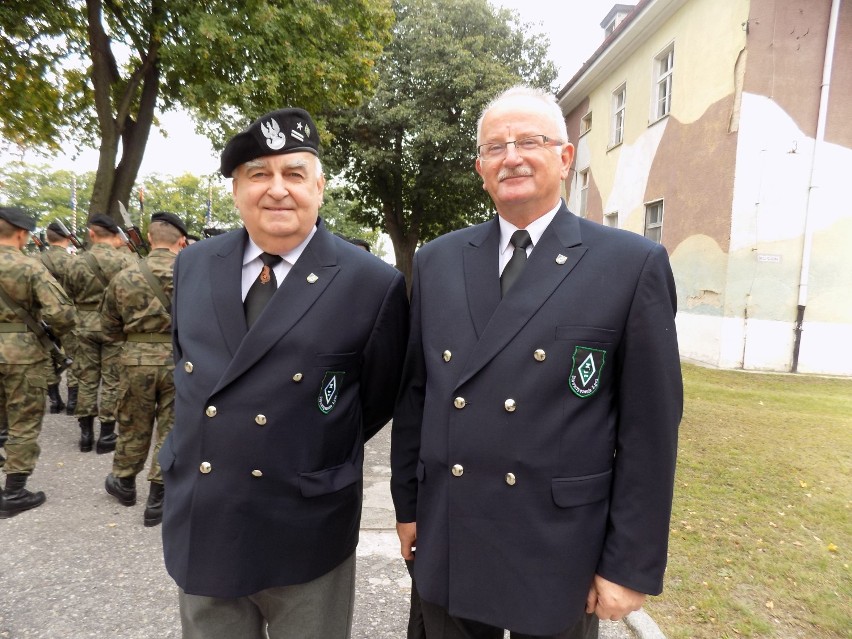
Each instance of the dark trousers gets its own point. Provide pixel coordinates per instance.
(441, 625)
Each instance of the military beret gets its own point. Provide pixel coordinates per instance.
(170, 218)
(17, 217)
(99, 219)
(276, 133)
(59, 229)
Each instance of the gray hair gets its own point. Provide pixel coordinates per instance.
(548, 100)
(259, 163)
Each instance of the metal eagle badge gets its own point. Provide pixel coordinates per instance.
(585, 378)
(329, 391)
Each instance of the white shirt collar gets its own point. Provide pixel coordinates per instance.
(253, 251)
(535, 229)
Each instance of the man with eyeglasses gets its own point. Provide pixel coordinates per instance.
(535, 436)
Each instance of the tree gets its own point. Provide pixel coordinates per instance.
(337, 214)
(94, 73)
(187, 196)
(408, 152)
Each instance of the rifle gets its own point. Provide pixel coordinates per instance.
(43, 333)
(58, 357)
(74, 239)
(39, 242)
(131, 235)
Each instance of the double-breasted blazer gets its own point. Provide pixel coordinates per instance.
(263, 468)
(535, 437)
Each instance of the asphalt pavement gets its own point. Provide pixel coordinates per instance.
(83, 566)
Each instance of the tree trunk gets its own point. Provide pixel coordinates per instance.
(404, 244)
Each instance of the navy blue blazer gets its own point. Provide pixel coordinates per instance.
(263, 468)
(535, 437)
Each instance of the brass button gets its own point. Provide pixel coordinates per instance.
(447, 356)
(187, 366)
(205, 467)
(210, 411)
(510, 405)
(257, 473)
(510, 479)
(459, 402)
(539, 355)
(260, 420)
(297, 377)
(458, 470)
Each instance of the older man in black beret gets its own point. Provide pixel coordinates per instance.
(136, 313)
(288, 346)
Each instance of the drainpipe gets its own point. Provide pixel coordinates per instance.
(819, 140)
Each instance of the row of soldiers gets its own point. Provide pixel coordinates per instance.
(112, 312)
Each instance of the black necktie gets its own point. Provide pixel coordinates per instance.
(512, 271)
(262, 289)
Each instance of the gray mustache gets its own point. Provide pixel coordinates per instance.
(518, 171)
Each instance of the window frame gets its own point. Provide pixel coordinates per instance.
(619, 114)
(654, 230)
(611, 219)
(585, 124)
(583, 181)
(661, 106)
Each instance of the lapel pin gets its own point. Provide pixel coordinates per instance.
(561, 259)
(312, 278)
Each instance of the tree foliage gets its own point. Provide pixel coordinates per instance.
(96, 73)
(408, 153)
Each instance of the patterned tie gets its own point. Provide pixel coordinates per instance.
(512, 271)
(262, 289)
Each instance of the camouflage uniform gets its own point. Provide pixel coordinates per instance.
(58, 262)
(132, 315)
(97, 358)
(23, 361)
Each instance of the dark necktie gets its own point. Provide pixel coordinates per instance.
(512, 271)
(262, 289)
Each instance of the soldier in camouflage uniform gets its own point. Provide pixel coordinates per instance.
(23, 359)
(57, 259)
(96, 357)
(137, 313)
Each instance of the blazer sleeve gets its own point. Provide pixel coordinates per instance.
(650, 406)
(408, 415)
(383, 357)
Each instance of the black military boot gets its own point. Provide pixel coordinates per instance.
(71, 404)
(16, 499)
(154, 508)
(122, 488)
(56, 403)
(107, 439)
(87, 433)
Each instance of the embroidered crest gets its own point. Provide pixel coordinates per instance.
(329, 391)
(586, 371)
(275, 138)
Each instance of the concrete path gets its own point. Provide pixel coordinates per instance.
(83, 566)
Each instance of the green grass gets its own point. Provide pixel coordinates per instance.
(761, 536)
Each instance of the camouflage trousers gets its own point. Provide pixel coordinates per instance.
(23, 389)
(146, 397)
(69, 342)
(97, 367)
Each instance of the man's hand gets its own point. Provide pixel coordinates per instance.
(609, 601)
(407, 539)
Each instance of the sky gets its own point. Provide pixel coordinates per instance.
(573, 27)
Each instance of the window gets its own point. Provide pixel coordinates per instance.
(654, 221)
(583, 183)
(586, 123)
(619, 102)
(664, 64)
(611, 219)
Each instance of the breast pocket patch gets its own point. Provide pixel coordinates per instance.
(329, 391)
(586, 371)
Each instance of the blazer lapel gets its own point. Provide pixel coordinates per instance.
(482, 281)
(307, 280)
(557, 253)
(226, 288)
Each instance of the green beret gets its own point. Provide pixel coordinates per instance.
(16, 216)
(170, 218)
(105, 221)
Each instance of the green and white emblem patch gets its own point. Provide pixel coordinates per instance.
(586, 371)
(329, 391)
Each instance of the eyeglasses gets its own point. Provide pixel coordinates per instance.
(495, 150)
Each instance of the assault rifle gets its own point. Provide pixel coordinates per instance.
(58, 357)
(74, 239)
(131, 235)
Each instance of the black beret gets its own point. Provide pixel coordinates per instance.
(59, 229)
(17, 217)
(99, 219)
(170, 218)
(276, 133)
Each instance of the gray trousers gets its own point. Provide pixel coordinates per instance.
(319, 609)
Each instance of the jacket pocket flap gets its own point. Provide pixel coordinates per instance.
(585, 334)
(576, 491)
(329, 480)
(166, 457)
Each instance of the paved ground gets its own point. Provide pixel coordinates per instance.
(83, 566)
